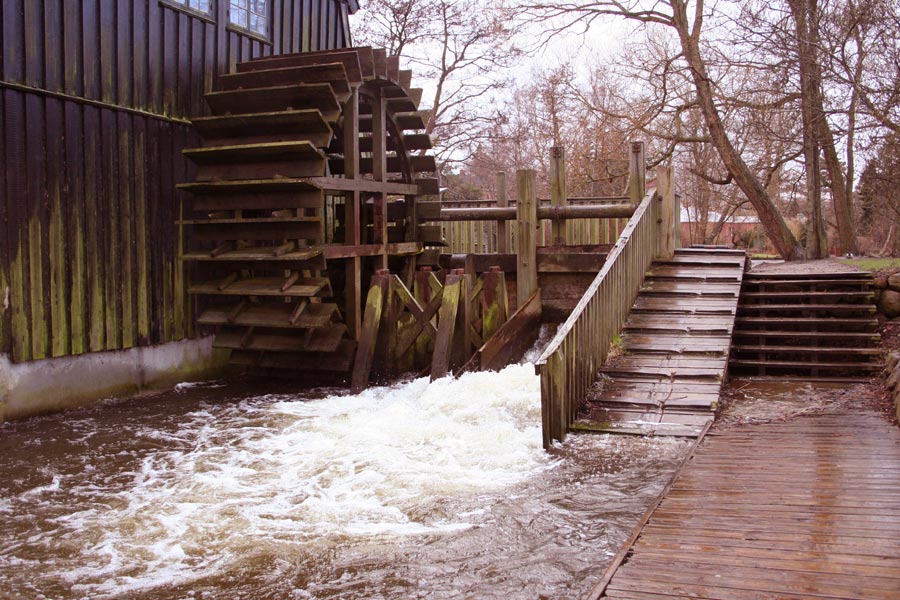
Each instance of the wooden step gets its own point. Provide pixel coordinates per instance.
(310, 258)
(258, 152)
(334, 74)
(322, 339)
(806, 322)
(411, 141)
(675, 343)
(418, 164)
(304, 287)
(694, 273)
(775, 284)
(404, 104)
(699, 262)
(283, 228)
(290, 199)
(715, 324)
(819, 308)
(851, 338)
(806, 277)
(249, 186)
(290, 97)
(404, 121)
(338, 361)
(805, 366)
(350, 58)
(688, 288)
(291, 125)
(277, 316)
(254, 161)
(848, 351)
(807, 294)
(676, 305)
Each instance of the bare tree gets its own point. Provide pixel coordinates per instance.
(460, 48)
(688, 27)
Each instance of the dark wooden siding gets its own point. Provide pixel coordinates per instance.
(94, 101)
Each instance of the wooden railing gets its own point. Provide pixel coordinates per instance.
(569, 364)
(485, 237)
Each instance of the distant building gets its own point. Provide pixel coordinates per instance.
(738, 231)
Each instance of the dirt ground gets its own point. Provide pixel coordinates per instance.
(803, 267)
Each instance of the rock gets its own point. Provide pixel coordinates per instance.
(889, 303)
(877, 294)
(893, 282)
(880, 283)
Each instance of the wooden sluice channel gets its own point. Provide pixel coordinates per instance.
(804, 508)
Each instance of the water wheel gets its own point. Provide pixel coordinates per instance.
(306, 182)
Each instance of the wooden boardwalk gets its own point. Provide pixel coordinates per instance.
(807, 508)
(675, 348)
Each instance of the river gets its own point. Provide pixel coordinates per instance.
(229, 490)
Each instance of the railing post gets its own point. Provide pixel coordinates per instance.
(502, 201)
(558, 227)
(637, 175)
(667, 215)
(526, 224)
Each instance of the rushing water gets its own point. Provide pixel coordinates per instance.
(418, 490)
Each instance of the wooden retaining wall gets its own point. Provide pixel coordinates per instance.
(94, 101)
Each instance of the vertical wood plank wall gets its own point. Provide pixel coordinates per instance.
(94, 101)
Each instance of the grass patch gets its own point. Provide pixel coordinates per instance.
(873, 264)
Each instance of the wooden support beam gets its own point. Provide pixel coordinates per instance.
(558, 229)
(502, 202)
(447, 319)
(352, 226)
(379, 171)
(493, 302)
(428, 291)
(526, 226)
(365, 353)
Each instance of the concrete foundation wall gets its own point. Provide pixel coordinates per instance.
(51, 385)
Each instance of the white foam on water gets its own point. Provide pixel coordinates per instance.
(284, 471)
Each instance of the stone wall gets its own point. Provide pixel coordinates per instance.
(887, 295)
(893, 381)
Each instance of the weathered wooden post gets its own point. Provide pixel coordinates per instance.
(365, 353)
(667, 213)
(559, 231)
(453, 301)
(502, 202)
(352, 229)
(526, 225)
(379, 173)
(637, 173)
(494, 303)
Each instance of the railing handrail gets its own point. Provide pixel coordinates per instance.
(644, 210)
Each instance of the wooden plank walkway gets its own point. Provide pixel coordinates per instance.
(806, 508)
(675, 348)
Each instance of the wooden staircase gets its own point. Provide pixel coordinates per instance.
(675, 348)
(267, 213)
(816, 325)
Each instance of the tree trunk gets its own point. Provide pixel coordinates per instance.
(840, 192)
(805, 27)
(776, 229)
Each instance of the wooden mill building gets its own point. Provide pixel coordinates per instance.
(99, 99)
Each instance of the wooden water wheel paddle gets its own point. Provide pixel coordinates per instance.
(307, 181)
